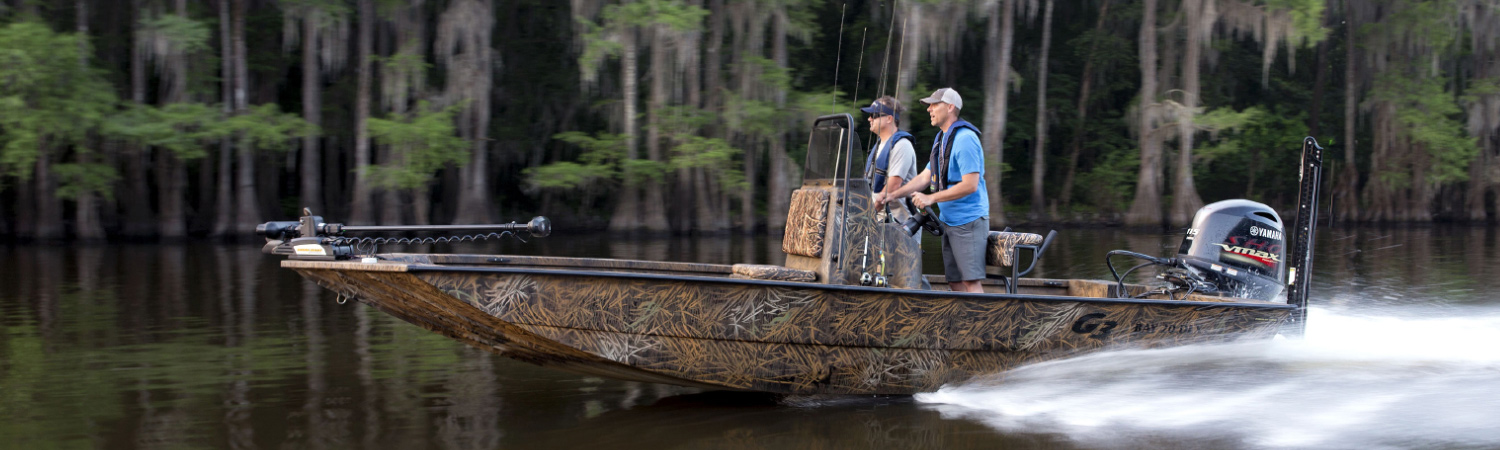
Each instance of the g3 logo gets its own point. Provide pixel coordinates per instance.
(1090, 323)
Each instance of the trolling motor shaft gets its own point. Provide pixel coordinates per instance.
(310, 238)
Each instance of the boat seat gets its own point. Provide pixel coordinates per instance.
(1004, 251)
(767, 272)
(806, 223)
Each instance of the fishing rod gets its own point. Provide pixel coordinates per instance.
(833, 106)
(880, 279)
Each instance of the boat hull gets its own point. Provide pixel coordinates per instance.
(783, 337)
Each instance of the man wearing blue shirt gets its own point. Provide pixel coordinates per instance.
(955, 175)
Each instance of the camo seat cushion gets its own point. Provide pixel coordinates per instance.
(1002, 248)
(806, 223)
(765, 272)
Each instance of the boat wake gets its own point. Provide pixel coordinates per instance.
(1397, 378)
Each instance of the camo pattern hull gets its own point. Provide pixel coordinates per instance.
(794, 338)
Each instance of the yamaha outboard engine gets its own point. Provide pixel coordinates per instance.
(1238, 247)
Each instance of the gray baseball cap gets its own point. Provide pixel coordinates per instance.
(945, 95)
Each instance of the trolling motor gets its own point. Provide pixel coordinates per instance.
(312, 239)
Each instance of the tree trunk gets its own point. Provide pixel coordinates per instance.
(1320, 83)
(703, 203)
(747, 197)
(1086, 83)
(136, 158)
(684, 189)
(421, 206)
(48, 206)
(654, 211)
(1346, 191)
(779, 192)
(360, 206)
(911, 53)
(247, 199)
(223, 214)
(713, 214)
(1185, 199)
(172, 170)
(474, 195)
(1000, 39)
(1379, 196)
(1422, 199)
(389, 199)
(311, 161)
(627, 216)
(86, 223)
(1145, 208)
(26, 209)
(1038, 152)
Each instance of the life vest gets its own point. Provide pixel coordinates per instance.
(876, 168)
(942, 148)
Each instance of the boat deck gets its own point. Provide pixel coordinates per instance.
(399, 262)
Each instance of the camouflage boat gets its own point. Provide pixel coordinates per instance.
(848, 313)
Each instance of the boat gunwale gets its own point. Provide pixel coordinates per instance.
(416, 267)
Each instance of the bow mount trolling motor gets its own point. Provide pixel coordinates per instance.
(312, 239)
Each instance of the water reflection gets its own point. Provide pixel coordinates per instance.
(143, 346)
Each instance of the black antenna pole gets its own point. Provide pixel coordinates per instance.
(1299, 278)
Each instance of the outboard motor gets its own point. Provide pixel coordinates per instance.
(1237, 246)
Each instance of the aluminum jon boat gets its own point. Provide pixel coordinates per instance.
(849, 312)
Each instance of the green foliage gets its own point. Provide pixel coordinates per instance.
(674, 14)
(331, 9)
(601, 40)
(1108, 49)
(599, 45)
(1412, 23)
(1250, 144)
(265, 127)
(805, 106)
(1112, 179)
(716, 155)
(1307, 19)
(421, 143)
(603, 161)
(401, 62)
(567, 175)
(170, 32)
(1479, 88)
(1427, 114)
(1220, 120)
(597, 166)
(752, 117)
(47, 101)
(182, 128)
(76, 179)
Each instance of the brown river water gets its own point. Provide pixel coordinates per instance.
(214, 346)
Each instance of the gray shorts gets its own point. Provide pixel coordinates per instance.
(963, 249)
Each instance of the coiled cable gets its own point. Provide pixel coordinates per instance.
(369, 245)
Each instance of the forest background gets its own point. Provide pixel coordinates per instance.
(167, 118)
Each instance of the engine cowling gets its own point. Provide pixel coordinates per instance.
(1239, 247)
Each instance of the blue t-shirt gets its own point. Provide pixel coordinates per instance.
(967, 156)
